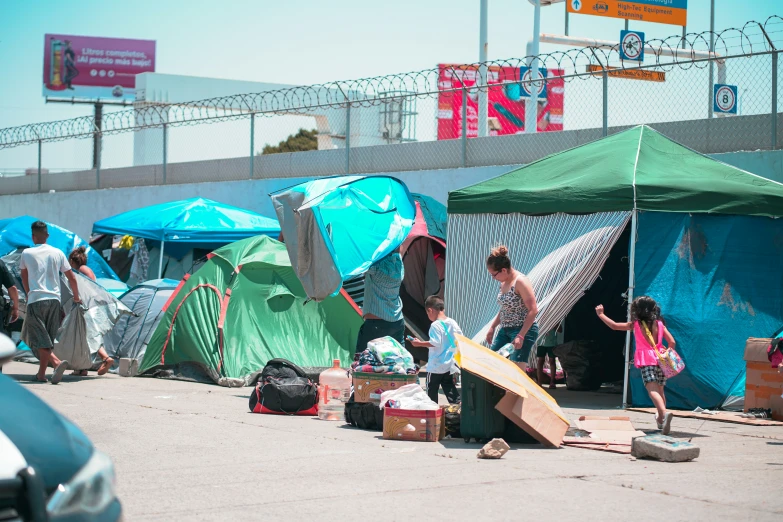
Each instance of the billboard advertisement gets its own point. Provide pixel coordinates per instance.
(94, 68)
(506, 111)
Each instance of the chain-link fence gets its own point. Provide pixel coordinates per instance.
(422, 120)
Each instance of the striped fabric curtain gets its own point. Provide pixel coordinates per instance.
(562, 254)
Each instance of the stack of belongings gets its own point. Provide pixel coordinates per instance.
(384, 365)
(409, 414)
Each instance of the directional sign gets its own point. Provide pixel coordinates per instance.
(674, 12)
(632, 46)
(725, 99)
(628, 74)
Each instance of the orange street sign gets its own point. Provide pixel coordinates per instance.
(629, 74)
(673, 12)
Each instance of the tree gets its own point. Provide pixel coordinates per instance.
(301, 141)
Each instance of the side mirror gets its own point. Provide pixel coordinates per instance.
(7, 349)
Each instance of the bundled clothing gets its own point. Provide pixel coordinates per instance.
(385, 355)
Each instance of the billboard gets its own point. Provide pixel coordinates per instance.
(674, 12)
(94, 68)
(506, 111)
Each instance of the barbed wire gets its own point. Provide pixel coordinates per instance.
(693, 50)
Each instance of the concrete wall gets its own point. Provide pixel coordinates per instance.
(78, 210)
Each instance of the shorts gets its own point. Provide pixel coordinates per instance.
(507, 335)
(653, 374)
(543, 351)
(41, 323)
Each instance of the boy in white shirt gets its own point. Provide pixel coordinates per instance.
(442, 345)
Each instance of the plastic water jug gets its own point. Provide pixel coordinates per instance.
(506, 350)
(334, 390)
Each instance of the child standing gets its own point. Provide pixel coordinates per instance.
(440, 366)
(649, 332)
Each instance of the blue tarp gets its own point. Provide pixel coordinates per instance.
(190, 223)
(336, 228)
(718, 280)
(15, 233)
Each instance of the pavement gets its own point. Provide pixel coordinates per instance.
(188, 451)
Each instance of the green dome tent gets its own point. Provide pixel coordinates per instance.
(244, 307)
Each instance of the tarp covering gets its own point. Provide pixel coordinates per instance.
(561, 254)
(16, 233)
(190, 223)
(718, 280)
(434, 214)
(244, 307)
(336, 228)
(131, 335)
(606, 175)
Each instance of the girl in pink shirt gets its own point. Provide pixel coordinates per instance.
(649, 331)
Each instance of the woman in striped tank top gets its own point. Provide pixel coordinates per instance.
(516, 321)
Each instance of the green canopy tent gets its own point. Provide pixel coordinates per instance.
(562, 215)
(244, 307)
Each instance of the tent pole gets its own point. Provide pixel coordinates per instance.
(160, 263)
(631, 286)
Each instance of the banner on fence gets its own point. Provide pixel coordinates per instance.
(506, 110)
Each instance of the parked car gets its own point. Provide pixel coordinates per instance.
(49, 469)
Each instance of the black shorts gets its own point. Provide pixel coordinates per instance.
(543, 351)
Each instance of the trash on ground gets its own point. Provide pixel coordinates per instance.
(494, 449)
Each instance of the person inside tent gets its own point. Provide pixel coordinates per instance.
(78, 261)
(382, 305)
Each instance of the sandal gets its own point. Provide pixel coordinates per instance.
(107, 363)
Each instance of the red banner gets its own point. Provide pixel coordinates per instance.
(506, 111)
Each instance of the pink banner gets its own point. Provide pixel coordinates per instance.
(94, 68)
(506, 111)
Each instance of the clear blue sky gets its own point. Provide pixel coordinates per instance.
(298, 41)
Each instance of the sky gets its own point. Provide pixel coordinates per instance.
(299, 41)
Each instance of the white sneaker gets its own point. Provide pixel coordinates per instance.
(667, 423)
(659, 423)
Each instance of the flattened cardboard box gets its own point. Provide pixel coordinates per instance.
(525, 403)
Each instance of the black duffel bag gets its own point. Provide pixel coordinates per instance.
(284, 389)
(364, 415)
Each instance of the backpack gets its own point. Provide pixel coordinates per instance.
(284, 389)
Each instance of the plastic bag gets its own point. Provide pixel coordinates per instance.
(409, 397)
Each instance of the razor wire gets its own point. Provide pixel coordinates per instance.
(681, 51)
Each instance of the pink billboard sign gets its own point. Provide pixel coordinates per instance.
(94, 68)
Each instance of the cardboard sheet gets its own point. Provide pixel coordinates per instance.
(525, 403)
(733, 418)
(609, 429)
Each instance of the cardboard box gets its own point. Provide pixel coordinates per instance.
(368, 387)
(526, 404)
(763, 383)
(416, 425)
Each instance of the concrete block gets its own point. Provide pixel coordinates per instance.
(663, 448)
(128, 367)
